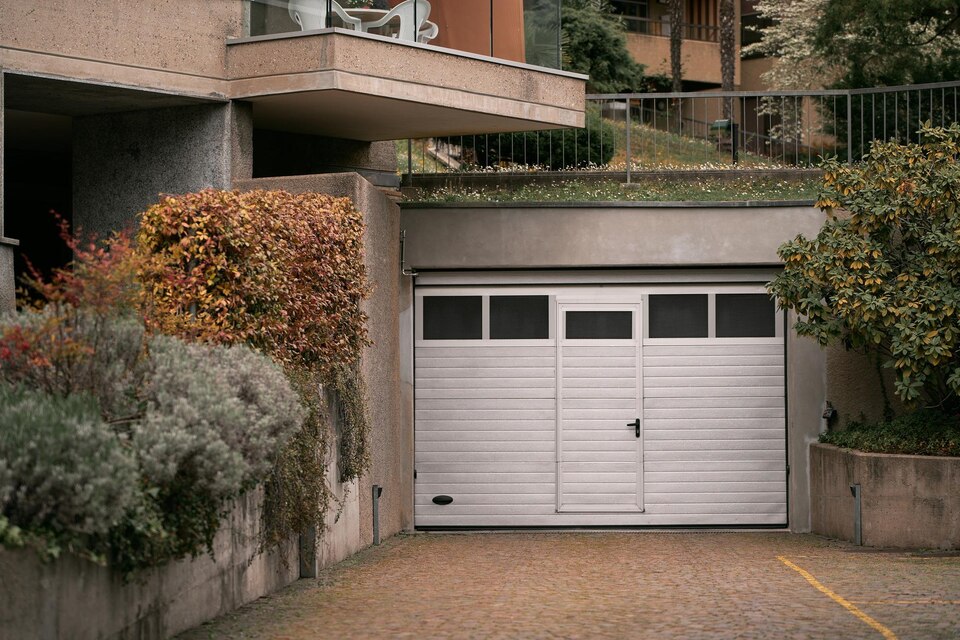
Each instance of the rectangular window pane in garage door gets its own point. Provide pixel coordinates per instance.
(678, 316)
(599, 325)
(745, 315)
(519, 317)
(452, 317)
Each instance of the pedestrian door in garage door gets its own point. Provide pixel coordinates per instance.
(599, 407)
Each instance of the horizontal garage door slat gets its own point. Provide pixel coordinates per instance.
(425, 350)
(548, 455)
(485, 394)
(701, 350)
(714, 402)
(493, 382)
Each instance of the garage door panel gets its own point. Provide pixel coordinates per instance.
(743, 445)
(600, 383)
(458, 478)
(729, 489)
(710, 359)
(520, 362)
(486, 467)
(598, 372)
(668, 456)
(432, 404)
(722, 508)
(492, 426)
(573, 437)
(457, 509)
(751, 475)
(487, 394)
(711, 392)
(709, 497)
(618, 404)
(736, 402)
(602, 362)
(607, 457)
(711, 466)
(683, 413)
(596, 351)
(467, 436)
(488, 445)
(625, 392)
(707, 370)
(425, 350)
(498, 382)
(717, 434)
(740, 382)
(651, 348)
(423, 456)
(500, 488)
(493, 372)
(485, 414)
(493, 499)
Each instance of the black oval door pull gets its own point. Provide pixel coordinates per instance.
(442, 500)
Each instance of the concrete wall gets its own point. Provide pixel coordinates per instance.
(857, 385)
(123, 161)
(907, 501)
(184, 36)
(391, 437)
(74, 598)
(592, 234)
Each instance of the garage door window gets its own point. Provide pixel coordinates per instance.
(519, 317)
(599, 325)
(452, 317)
(678, 316)
(745, 315)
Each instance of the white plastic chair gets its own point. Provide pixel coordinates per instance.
(409, 28)
(312, 14)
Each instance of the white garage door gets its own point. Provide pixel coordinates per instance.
(576, 406)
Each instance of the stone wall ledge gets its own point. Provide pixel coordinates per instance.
(908, 501)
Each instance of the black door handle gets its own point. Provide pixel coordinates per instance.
(636, 425)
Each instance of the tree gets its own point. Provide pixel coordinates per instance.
(883, 274)
(891, 42)
(676, 44)
(728, 45)
(597, 46)
(790, 39)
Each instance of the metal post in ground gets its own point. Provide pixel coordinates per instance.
(377, 491)
(857, 520)
(849, 128)
(627, 102)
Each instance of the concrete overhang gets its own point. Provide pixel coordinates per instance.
(366, 87)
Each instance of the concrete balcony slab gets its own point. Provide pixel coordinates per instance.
(365, 87)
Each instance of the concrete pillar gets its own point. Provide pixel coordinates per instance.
(123, 161)
(7, 246)
(806, 394)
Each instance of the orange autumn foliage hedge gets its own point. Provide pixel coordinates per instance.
(279, 271)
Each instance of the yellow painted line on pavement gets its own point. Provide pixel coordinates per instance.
(843, 602)
(950, 602)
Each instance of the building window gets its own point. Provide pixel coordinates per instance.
(678, 316)
(452, 317)
(746, 315)
(519, 317)
(599, 325)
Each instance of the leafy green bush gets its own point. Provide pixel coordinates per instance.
(66, 478)
(925, 433)
(200, 425)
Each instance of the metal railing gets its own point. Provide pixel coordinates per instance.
(655, 131)
(659, 27)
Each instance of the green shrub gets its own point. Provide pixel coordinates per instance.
(925, 433)
(215, 420)
(66, 478)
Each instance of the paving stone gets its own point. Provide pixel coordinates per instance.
(610, 585)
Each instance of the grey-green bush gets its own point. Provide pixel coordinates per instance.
(65, 475)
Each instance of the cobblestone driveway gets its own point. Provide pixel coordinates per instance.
(613, 585)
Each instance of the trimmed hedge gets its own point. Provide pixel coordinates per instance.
(924, 433)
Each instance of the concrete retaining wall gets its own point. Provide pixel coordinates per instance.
(74, 598)
(907, 501)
